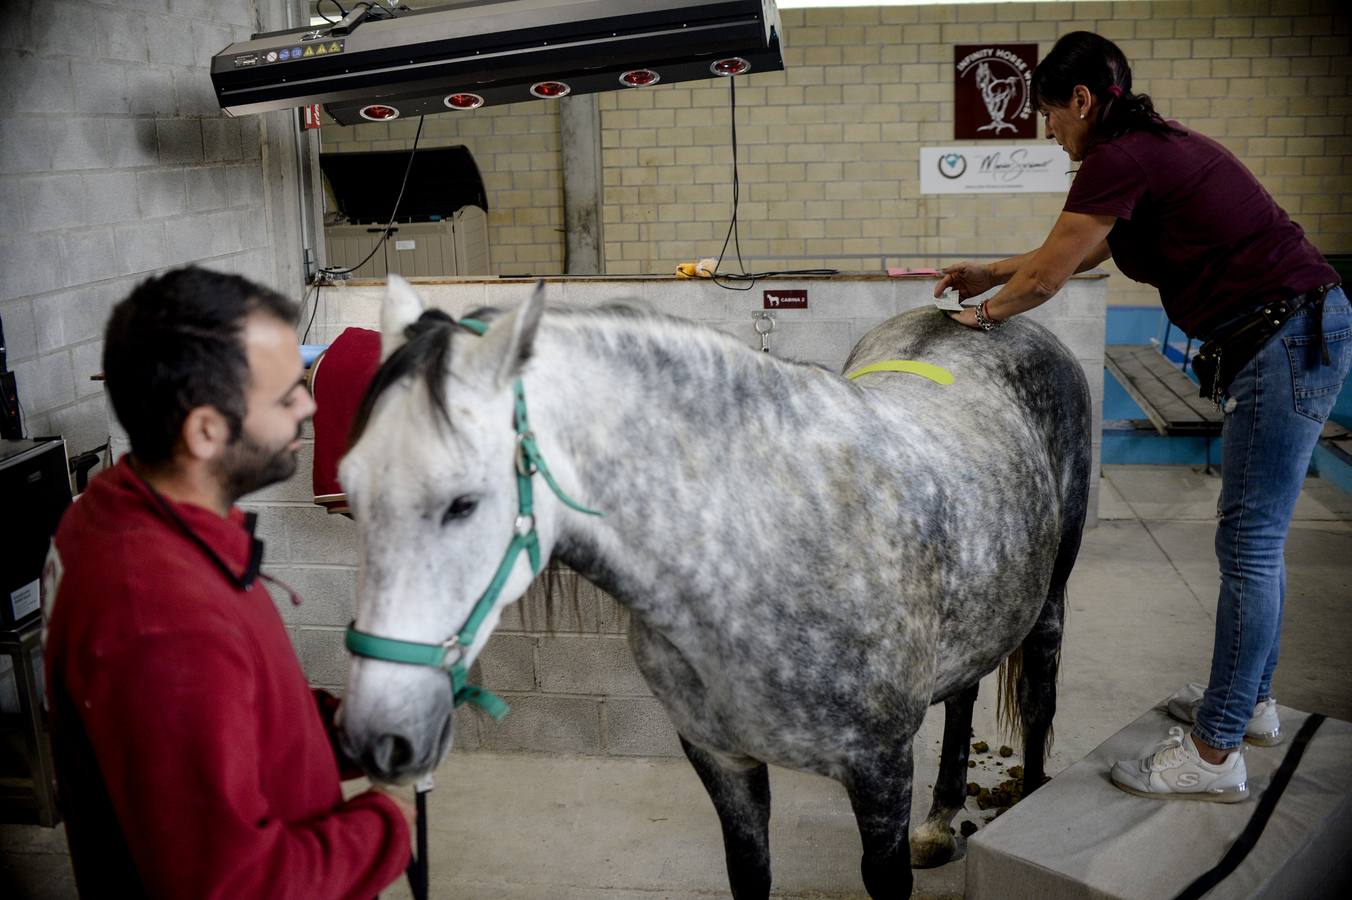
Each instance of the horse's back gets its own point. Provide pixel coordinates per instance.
(1017, 375)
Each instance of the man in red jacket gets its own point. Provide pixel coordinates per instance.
(192, 758)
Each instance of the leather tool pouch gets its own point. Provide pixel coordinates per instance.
(1220, 359)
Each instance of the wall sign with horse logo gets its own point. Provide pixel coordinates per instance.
(992, 96)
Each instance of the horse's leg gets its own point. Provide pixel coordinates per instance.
(881, 797)
(1037, 681)
(932, 843)
(742, 799)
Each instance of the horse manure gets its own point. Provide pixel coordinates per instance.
(1006, 750)
(972, 788)
(981, 747)
(971, 764)
(1016, 772)
(968, 828)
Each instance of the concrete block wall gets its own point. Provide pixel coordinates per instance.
(116, 163)
(565, 666)
(829, 148)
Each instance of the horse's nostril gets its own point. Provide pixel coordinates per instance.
(388, 754)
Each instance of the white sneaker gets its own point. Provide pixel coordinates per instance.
(1264, 728)
(1177, 772)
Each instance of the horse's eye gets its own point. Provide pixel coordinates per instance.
(460, 508)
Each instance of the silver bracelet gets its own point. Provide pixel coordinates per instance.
(986, 323)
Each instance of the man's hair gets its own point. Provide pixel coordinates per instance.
(1092, 60)
(176, 343)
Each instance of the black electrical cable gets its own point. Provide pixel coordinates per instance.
(328, 271)
(734, 234)
(342, 13)
(319, 287)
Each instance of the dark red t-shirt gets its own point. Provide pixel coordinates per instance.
(1195, 223)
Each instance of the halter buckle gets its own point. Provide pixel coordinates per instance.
(524, 525)
(525, 465)
(451, 643)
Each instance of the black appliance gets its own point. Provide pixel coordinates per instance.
(35, 485)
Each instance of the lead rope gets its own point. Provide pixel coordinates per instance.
(417, 864)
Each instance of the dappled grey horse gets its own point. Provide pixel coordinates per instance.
(809, 561)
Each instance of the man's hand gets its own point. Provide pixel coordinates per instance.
(405, 806)
(969, 278)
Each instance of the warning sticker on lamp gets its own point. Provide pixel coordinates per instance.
(785, 299)
(1003, 169)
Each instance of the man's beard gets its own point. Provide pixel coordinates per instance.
(248, 466)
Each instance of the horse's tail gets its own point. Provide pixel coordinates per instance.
(1009, 718)
(1026, 684)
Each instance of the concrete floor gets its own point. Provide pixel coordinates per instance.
(527, 827)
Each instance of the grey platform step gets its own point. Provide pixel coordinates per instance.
(1167, 396)
(1081, 837)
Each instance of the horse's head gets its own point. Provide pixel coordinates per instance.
(431, 479)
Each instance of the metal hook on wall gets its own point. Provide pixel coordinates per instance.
(765, 324)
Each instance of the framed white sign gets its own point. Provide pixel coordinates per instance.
(994, 169)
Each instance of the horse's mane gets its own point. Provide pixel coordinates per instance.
(427, 352)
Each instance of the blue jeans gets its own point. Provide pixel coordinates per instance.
(1276, 409)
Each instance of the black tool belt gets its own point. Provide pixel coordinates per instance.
(1222, 357)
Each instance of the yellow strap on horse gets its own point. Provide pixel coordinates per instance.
(936, 374)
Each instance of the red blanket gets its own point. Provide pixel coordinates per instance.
(338, 380)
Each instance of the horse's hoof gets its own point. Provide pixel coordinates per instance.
(931, 850)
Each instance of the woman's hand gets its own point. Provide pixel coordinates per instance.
(970, 279)
(966, 317)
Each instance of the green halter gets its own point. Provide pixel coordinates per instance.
(450, 654)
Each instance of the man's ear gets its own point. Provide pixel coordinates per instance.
(507, 345)
(205, 433)
(400, 309)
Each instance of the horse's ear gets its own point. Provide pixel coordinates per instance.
(507, 345)
(401, 309)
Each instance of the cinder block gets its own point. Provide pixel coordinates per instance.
(507, 663)
(88, 255)
(99, 88)
(220, 139)
(244, 183)
(639, 726)
(150, 91)
(206, 188)
(140, 248)
(109, 197)
(545, 724)
(195, 95)
(131, 143)
(589, 665)
(180, 140)
(173, 41)
(161, 192)
(316, 536)
(20, 331)
(45, 383)
(187, 239)
(328, 594)
(38, 85)
(52, 202)
(77, 143)
(28, 265)
(121, 35)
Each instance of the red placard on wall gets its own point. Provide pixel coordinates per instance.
(311, 115)
(992, 91)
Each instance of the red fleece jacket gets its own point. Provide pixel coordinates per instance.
(191, 757)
